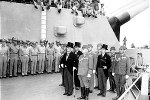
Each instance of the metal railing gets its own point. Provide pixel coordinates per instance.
(130, 88)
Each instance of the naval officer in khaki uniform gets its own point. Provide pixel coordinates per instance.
(4, 56)
(34, 58)
(121, 71)
(41, 56)
(49, 57)
(24, 56)
(14, 52)
(85, 70)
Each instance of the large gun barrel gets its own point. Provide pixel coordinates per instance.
(117, 21)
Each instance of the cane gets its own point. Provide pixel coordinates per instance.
(74, 90)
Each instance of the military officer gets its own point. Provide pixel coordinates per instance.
(121, 71)
(113, 63)
(50, 56)
(14, 52)
(34, 58)
(97, 53)
(57, 56)
(69, 62)
(103, 65)
(41, 56)
(4, 56)
(92, 54)
(78, 54)
(24, 56)
(84, 72)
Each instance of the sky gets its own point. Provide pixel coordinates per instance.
(137, 30)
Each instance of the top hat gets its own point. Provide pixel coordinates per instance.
(112, 48)
(104, 46)
(70, 44)
(123, 48)
(77, 44)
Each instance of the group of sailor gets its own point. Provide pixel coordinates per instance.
(90, 70)
(28, 57)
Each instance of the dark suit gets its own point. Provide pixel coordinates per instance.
(76, 79)
(68, 64)
(103, 73)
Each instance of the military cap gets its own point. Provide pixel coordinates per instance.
(90, 45)
(99, 44)
(112, 48)
(85, 47)
(122, 48)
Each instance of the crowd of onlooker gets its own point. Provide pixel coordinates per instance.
(87, 7)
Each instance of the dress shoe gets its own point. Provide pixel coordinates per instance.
(65, 94)
(99, 94)
(109, 90)
(96, 87)
(77, 88)
(115, 98)
(90, 91)
(103, 95)
(114, 91)
(69, 94)
(60, 84)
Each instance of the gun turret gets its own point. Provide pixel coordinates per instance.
(117, 21)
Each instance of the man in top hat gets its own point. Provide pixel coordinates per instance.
(103, 65)
(92, 54)
(85, 71)
(78, 54)
(97, 53)
(41, 56)
(69, 61)
(113, 63)
(121, 71)
(4, 58)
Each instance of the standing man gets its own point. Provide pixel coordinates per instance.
(34, 57)
(91, 53)
(14, 52)
(57, 55)
(97, 53)
(49, 57)
(4, 58)
(103, 65)
(84, 72)
(78, 54)
(41, 56)
(121, 71)
(24, 56)
(69, 62)
(111, 77)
